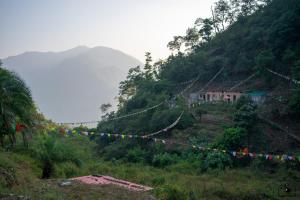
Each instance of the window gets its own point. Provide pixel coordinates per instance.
(234, 98)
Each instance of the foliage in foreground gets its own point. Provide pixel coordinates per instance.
(16, 105)
(183, 179)
(50, 150)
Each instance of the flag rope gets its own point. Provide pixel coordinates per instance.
(283, 76)
(167, 128)
(242, 82)
(211, 80)
(235, 153)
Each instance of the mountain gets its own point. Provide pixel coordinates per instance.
(71, 85)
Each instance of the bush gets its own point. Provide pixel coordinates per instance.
(216, 160)
(7, 173)
(158, 181)
(165, 159)
(232, 139)
(171, 192)
(66, 170)
(294, 104)
(50, 150)
(117, 150)
(136, 155)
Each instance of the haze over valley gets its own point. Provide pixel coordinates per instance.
(71, 85)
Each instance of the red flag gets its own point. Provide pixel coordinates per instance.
(270, 157)
(20, 127)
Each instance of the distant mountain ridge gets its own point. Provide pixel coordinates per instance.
(72, 84)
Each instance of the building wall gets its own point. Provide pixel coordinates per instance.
(220, 96)
(232, 96)
(258, 99)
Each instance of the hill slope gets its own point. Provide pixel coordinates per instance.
(265, 39)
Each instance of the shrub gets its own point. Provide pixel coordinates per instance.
(50, 151)
(216, 160)
(66, 170)
(171, 192)
(7, 173)
(116, 150)
(136, 155)
(294, 103)
(232, 139)
(165, 159)
(158, 181)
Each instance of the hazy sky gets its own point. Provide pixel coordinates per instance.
(132, 26)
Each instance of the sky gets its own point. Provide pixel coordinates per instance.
(132, 26)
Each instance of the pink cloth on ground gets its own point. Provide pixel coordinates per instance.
(104, 180)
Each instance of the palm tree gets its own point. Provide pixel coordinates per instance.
(15, 103)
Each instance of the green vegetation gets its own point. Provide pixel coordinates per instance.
(192, 176)
(244, 37)
(50, 150)
(16, 105)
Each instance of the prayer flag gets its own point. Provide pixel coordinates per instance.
(270, 157)
(245, 151)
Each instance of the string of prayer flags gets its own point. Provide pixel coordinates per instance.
(237, 154)
(123, 136)
(245, 153)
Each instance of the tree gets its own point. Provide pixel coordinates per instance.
(296, 70)
(226, 12)
(176, 43)
(294, 100)
(232, 139)
(248, 6)
(192, 38)
(105, 107)
(148, 68)
(246, 116)
(222, 14)
(205, 28)
(15, 103)
(129, 87)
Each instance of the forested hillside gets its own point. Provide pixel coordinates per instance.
(243, 37)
